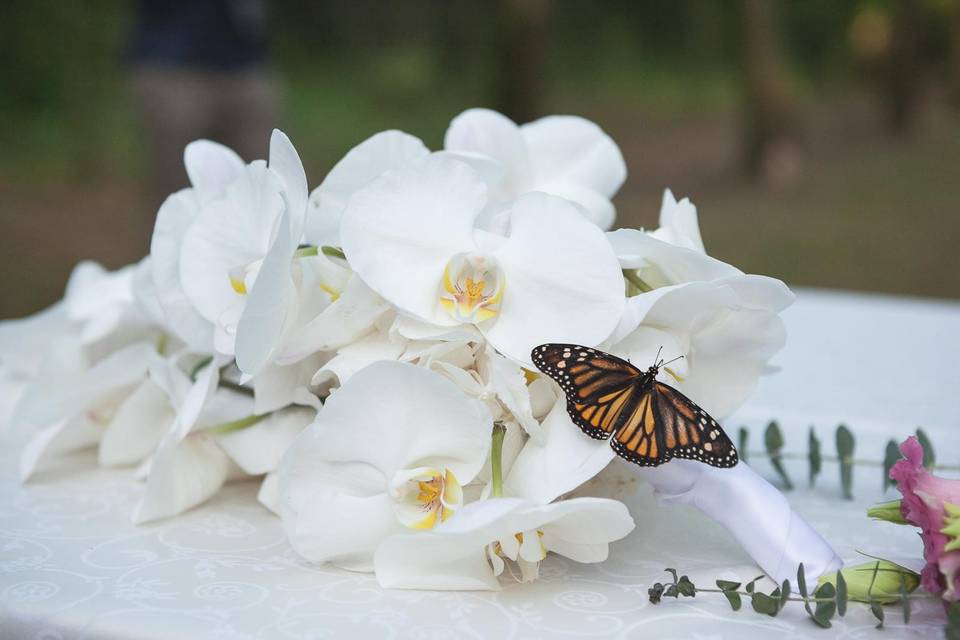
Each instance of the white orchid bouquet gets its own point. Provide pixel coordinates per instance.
(364, 348)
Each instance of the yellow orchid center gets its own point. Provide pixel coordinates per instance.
(473, 287)
(424, 497)
(524, 551)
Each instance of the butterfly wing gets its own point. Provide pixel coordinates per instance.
(666, 424)
(600, 388)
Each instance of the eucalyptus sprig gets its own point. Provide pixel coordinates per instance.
(826, 601)
(845, 445)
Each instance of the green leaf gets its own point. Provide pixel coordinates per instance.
(742, 439)
(762, 603)
(841, 594)
(734, 599)
(750, 585)
(929, 459)
(727, 585)
(686, 588)
(904, 600)
(845, 447)
(784, 593)
(816, 461)
(825, 609)
(877, 611)
(672, 591)
(802, 587)
(773, 441)
(889, 459)
(655, 593)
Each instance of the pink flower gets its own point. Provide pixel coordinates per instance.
(924, 497)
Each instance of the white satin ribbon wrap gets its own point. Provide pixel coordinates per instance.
(753, 510)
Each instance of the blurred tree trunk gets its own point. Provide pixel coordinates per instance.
(902, 76)
(519, 57)
(770, 136)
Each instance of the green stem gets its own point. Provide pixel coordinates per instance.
(333, 252)
(636, 280)
(199, 367)
(237, 425)
(496, 459)
(305, 252)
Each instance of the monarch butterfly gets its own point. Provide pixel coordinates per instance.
(647, 422)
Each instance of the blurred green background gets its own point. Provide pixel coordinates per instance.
(820, 139)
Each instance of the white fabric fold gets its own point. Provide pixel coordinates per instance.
(753, 510)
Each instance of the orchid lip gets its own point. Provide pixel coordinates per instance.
(424, 497)
(472, 287)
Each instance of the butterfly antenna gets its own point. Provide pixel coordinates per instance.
(674, 360)
(656, 361)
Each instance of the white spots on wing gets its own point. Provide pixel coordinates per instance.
(561, 365)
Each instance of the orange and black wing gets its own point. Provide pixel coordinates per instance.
(600, 388)
(666, 424)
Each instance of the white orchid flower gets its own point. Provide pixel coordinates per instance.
(726, 331)
(567, 156)
(388, 452)
(489, 537)
(213, 437)
(251, 229)
(411, 236)
(672, 254)
(211, 168)
(72, 409)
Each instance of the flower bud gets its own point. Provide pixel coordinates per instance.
(877, 580)
(888, 511)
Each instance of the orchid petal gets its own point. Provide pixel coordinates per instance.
(258, 448)
(594, 206)
(555, 262)
(574, 150)
(488, 133)
(568, 458)
(271, 303)
(137, 427)
(678, 223)
(183, 474)
(401, 230)
(285, 161)
(176, 215)
(374, 156)
(211, 167)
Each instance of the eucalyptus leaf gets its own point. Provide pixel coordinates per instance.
(773, 441)
(784, 593)
(929, 459)
(686, 588)
(845, 447)
(762, 603)
(890, 458)
(734, 599)
(655, 593)
(825, 609)
(727, 585)
(816, 461)
(802, 587)
(672, 591)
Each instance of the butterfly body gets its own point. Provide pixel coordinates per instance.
(646, 421)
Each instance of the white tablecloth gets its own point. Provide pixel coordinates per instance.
(72, 565)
